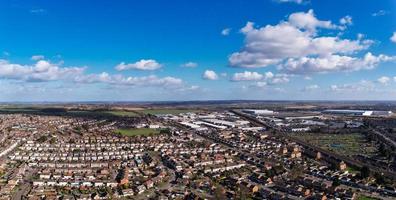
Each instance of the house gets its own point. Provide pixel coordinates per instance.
(141, 189)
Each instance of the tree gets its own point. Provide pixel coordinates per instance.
(336, 183)
(243, 192)
(219, 193)
(42, 139)
(379, 179)
(364, 172)
(165, 131)
(296, 171)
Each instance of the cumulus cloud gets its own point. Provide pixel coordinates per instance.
(347, 20)
(41, 71)
(393, 38)
(267, 78)
(380, 13)
(210, 75)
(190, 64)
(279, 79)
(37, 57)
(384, 80)
(45, 71)
(247, 76)
(295, 38)
(269, 75)
(333, 63)
(308, 21)
(143, 64)
(151, 80)
(226, 31)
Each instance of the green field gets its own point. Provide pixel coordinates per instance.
(18, 109)
(362, 197)
(138, 132)
(345, 144)
(122, 113)
(167, 111)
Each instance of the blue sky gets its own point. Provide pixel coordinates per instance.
(197, 50)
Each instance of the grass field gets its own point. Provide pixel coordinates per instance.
(166, 111)
(362, 197)
(18, 109)
(346, 144)
(122, 113)
(138, 132)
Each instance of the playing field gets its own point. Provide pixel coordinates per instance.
(346, 144)
(166, 111)
(138, 131)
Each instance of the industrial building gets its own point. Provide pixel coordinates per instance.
(258, 112)
(359, 112)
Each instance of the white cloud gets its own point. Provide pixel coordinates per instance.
(269, 75)
(295, 38)
(363, 85)
(309, 22)
(41, 71)
(265, 79)
(268, 78)
(384, 80)
(260, 84)
(292, 1)
(226, 31)
(190, 64)
(311, 87)
(37, 57)
(333, 63)
(151, 80)
(38, 11)
(45, 71)
(347, 20)
(143, 64)
(192, 88)
(393, 38)
(380, 13)
(247, 76)
(210, 75)
(279, 79)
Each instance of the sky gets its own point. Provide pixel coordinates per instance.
(161, 50)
